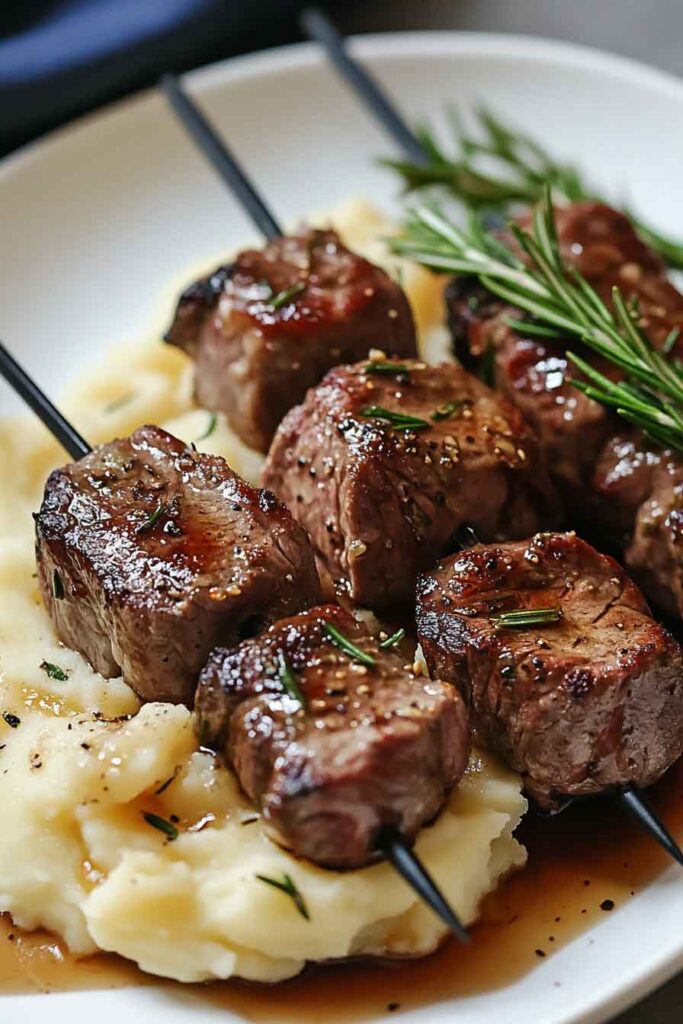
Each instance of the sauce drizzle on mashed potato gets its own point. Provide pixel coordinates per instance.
(84, 767)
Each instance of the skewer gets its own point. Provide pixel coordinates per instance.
(411, 868)
(37, 400)
(217, 153)
(636, 803)
(318, 26)
(395, 848)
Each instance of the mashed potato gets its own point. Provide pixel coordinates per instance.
(82, 766)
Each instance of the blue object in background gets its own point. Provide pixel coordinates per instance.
(59, 58)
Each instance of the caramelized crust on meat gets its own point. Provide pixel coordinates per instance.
(590, 701)
(149, 554)
(379, 502)
(372, 747)
(268, 327)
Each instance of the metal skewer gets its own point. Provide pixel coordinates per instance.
(318, 26)
(217, 153)
(37, 400)
(395, 847)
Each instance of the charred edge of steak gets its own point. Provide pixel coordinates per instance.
(195, 302)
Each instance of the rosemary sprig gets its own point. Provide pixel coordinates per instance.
(397, 420)
(392, 640)
(498, 167)
(288, 886)
(289, 680)
(346, 645)
(152, 520)
(650, 393)
(526, 618)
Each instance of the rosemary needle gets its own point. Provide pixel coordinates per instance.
(346, 645)
(526, 618)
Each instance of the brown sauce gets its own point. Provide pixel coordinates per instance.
(583, 864)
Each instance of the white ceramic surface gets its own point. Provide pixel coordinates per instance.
(97, 220)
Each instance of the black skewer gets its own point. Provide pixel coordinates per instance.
(395, 848)
(56, 423)
(635, 802)
(218, 154)
(318, 26)
(411, 868)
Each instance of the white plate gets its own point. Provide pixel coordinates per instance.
(97, 220)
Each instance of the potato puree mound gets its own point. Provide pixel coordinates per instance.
(82, 766)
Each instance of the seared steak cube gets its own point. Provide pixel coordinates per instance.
(150, 553)
(385, 461)
(638, 490)
(591, 699)
(333, 747)
(266, 328)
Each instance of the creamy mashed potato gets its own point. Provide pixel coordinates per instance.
(83, 766)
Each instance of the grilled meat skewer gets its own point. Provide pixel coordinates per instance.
(589, 700)
(282, 547)
(335, 748)
(385, 461)
(269, 325)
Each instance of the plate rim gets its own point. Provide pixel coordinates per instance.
(277, 60)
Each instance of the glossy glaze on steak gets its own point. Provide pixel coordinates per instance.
(266, 328)
(150, 553)
(381, 503)
(372, 747)
(591, 701)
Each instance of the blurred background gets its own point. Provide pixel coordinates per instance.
(61, 58)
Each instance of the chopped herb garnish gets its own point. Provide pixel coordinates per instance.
(347, 646)
(398, 420)
(57, 586)
(288, 680)
(211, 426)
(167, 827)
(525, 618)
(153, 519)
(387, 369)
(119, 403)
(286, 295)
(54, 671)
(392, 640)
(445, 411)
(288, 886)
(12, 720)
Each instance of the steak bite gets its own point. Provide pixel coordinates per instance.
(638, 490)
(592, 699)
(334, 748)
(150, 553)
(385, 461)
(266, 328)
